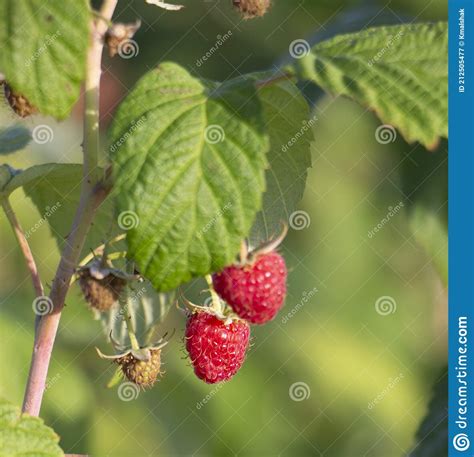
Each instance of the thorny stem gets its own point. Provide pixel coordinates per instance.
(93, 193)
(24, 246)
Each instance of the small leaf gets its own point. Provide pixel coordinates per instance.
(21, 435)
(400, 72)
(55, 191)
(189, 160)
(289, 124)
(44, 48)
(14, 139)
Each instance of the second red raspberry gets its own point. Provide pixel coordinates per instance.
(257, 291)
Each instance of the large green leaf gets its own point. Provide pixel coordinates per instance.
(55, 191)
(400, 72)
(189, 161)
(22, 435)
(289, 124)
(13, 139)
(42, 51)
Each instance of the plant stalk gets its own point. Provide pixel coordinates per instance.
(24, 246)
(93, 193)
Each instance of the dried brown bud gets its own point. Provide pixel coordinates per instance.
(118, 35)
(252, 8)
(18, 102)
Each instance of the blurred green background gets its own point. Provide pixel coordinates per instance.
(364, 378)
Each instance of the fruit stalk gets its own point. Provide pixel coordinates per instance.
(93, 193)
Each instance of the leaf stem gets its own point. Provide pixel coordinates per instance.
(24, 246)
(93, 193)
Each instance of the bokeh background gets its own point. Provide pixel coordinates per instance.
(332, 375)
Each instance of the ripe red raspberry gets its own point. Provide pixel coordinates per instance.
(216, 348)
(255, 291)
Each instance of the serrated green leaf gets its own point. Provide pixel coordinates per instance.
(55, 191)
(14, 139)
(432, 436)
(43, 50)
(400, 72)
(21, 435)
(289, 125)
(189, 160)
